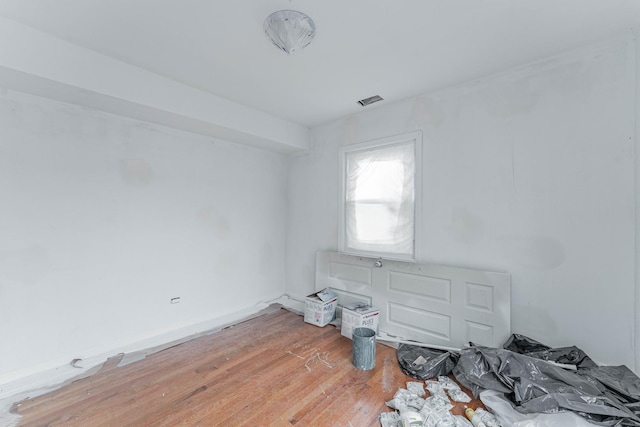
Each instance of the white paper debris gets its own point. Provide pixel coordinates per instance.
(416, 388)
(390, 419)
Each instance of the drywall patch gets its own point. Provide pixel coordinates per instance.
(428, 112)
(351, 129)
(539, 253)
(136, 172)
(518, 97)
(464, 227)
(211, 218)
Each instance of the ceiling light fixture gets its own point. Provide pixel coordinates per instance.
(289, 30)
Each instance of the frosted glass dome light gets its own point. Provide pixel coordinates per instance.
(289, 30)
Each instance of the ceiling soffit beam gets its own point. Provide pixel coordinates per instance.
(34, 62)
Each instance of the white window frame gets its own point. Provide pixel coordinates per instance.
(416, 138)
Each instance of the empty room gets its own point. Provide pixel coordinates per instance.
(320, 213)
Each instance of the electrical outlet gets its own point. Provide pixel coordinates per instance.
(175, 300)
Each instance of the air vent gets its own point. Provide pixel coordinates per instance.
(370, 100)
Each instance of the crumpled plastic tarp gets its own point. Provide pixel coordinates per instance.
(619, 380)
(566, 355)
(607, 396)
(423, 363)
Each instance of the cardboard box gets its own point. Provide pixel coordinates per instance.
(320, 308)
(359, 315)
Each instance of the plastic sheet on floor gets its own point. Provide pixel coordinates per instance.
(536, 386)
(425, 363)
(565, 355)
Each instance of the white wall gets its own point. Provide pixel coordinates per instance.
(530, 172)
(105, 219)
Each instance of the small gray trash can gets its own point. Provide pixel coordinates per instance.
(364, 348)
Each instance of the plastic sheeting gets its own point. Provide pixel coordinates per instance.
(535, 392)
(424, 363)
(379, 198)
(619, 380)
(565, 355)
(535, 386)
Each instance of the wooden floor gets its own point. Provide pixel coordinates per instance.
(274, 370)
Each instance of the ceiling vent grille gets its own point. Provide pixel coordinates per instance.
(370, 100)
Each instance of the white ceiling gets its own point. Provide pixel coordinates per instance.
(394, 48)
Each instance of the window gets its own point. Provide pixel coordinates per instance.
(379, 197)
